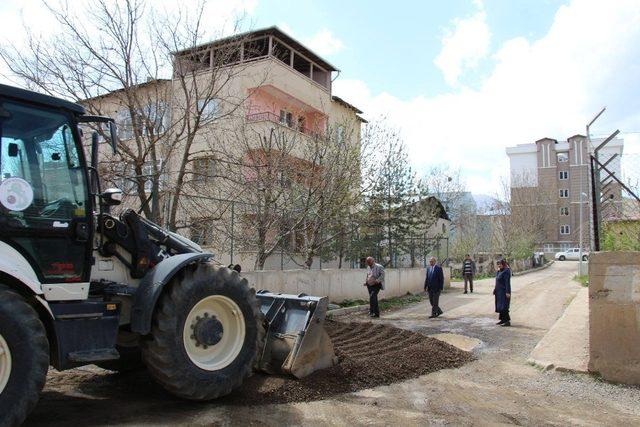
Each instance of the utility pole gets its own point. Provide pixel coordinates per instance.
(591, 229)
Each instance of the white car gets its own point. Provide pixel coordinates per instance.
(571, 255)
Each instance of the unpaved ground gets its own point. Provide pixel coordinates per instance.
(497, 388)
(369, 355)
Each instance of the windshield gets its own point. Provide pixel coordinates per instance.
(40, 171)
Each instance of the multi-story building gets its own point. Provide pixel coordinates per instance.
(241, 91)
(550, 185)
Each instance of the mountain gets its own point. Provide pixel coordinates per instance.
(485, 203)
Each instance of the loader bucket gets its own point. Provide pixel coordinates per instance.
(296, 342)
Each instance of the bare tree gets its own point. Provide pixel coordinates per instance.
(330, 193)
(525, 213)
(146, 68)
(258, 168)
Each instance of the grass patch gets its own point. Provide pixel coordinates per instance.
(535, 365)
(394, 302)
(459, 278)
(352, 302)
(385, 304)
(583, 280)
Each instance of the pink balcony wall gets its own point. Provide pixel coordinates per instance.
(262, 100)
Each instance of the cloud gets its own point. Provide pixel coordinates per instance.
(324, 43)
(551, 86)
(464, 45)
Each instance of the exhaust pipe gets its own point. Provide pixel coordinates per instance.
(296, 342)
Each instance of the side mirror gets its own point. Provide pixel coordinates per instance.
(113, 131)
(111, 196)
(94, 149)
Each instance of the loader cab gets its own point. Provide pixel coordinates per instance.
(46, 212)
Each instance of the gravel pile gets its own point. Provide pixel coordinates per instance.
(370, 354)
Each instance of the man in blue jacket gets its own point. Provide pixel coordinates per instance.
(433, 285)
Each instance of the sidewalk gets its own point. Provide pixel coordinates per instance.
(566, 346)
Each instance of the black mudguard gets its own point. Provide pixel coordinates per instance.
(151, 286)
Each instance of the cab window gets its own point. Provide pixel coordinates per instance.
(38, 146)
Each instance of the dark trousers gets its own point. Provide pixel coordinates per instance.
(504, 317)
(468, 278)
(434, 300)
(373, 299)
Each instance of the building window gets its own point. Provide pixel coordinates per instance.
(209, 108)
(565, 229)
(564, 211)
(301, 124)
(340, 134)
(564, 175)
(124, 177)
(548, 247)
(204, 170)
(149, 173)
(564, 193)
(563, 157)
(565, 246)
(125, 125)
(286, 118)
(154, 119)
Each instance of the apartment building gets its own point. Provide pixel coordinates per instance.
(240, 90)
(550, 183)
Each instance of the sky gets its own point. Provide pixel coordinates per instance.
(460, 79)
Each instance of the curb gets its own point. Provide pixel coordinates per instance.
(551, 367)
(519, 273)
(533, 270)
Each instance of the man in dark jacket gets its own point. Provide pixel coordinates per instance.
(433, 285)
(502, 292)
(468, 271)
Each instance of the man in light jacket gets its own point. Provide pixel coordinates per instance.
(434, 284)
(374, 283)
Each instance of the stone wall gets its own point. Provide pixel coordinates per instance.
(614, 316)
(339, 284)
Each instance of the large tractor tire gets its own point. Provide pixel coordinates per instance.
(128, 345)
(205, 335)
(24, 357)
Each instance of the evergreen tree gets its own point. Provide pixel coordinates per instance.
(388, 206)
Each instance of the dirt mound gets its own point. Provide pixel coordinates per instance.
(369, 354)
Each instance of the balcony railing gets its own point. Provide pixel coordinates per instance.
(268, 116)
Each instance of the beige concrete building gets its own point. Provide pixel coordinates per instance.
(239, 91)
(551, 178)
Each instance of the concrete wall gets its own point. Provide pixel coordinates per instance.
(339, 285)
(614, 315)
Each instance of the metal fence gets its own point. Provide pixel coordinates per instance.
(229, 229)
(615, 185)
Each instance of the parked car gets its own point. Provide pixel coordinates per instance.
(571, 255)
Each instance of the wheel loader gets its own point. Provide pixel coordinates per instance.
(81, 286)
